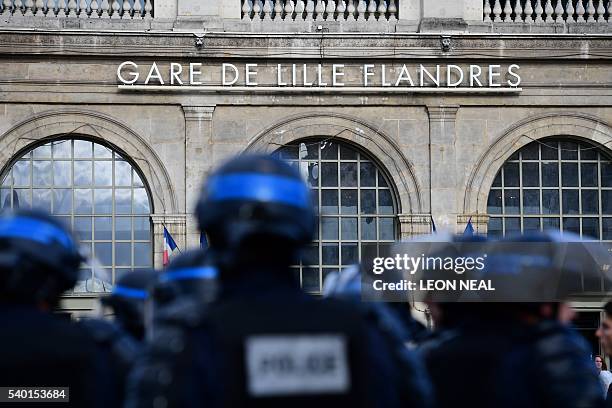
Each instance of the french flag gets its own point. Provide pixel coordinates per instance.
(169, 246)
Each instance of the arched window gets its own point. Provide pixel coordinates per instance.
(354, 200)
(98, 193)
(554, 183)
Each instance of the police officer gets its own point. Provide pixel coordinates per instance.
(120, 341)
(39, 260)
(505, 354)
(265, 342)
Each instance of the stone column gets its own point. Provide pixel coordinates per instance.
(175, 224)
(443, 165)
(198, 161)
(412, 225)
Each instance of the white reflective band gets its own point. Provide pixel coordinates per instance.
(296, 364)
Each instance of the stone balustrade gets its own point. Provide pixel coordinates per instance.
(547, 11)
(321, 10)
(83, 9)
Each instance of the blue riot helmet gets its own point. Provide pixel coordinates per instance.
(39, 258)
(260, 203)
(190, 274)
(128, 299)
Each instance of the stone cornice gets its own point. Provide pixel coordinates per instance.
(165, 45)
(442, 113)
(198, 113)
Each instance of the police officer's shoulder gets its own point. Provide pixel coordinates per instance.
(185, 312)
(99, 329)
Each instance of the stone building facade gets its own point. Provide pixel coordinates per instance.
(401, 114)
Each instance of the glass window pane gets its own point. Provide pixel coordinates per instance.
(137, 180)
(368, 228)
(348, 201)
(494, 227)
(21, 173)
(41, 199)
(569, 174)
(83, 149)
(348, 229)
(123, 254)
(531, 174)
(531, 224)
(5, 198)
(24, 198)
(329, 174)
(82, 173)
(330, 253)
(590, 228)
(329, 151)
(62, 173)
(551, 224)
(511, 175)
(512, 225)
(42, 152)
(497, 182)
(329, 228)
(550, 201)
(511, 201)
(347, 153)
(103, 228)
(310, 255)
(310, 279)
(607, 229)
(82, 227)
(123, 201)
(310, 173)
(570, 201)
(329, 201)
(550, 150)
(531, 201)
(571, 224)
(606, 174)
(367, 174)
(550, 174)
(103, 173)
(590, 201)
(348, 174)
(494, 202)
(103, 253)
(531, 151)
(62, 149)
(41, 173)
(142, 228)
(368, 201)
(606, 202)
(381, 180)
(385, 202)
(588, 152)
(62, 201)
(588, 174)
(141, 201)
(288, 152)
(83, 201)
(142, 254)
(123, 229)
(569, 151)
(102, 152)
(123, 173)
(103, 201)
(349, 254)
(387, 230)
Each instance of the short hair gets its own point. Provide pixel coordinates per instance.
(608, 309)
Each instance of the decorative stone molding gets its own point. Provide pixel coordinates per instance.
(480, 223)
(577, 125)
(442, 113)
(352, 130)
(198, 113)
(414, 224)
(97, 126)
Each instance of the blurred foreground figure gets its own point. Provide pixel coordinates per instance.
(120, 341)
(39, 261)
(265, 342)
(511, 354)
